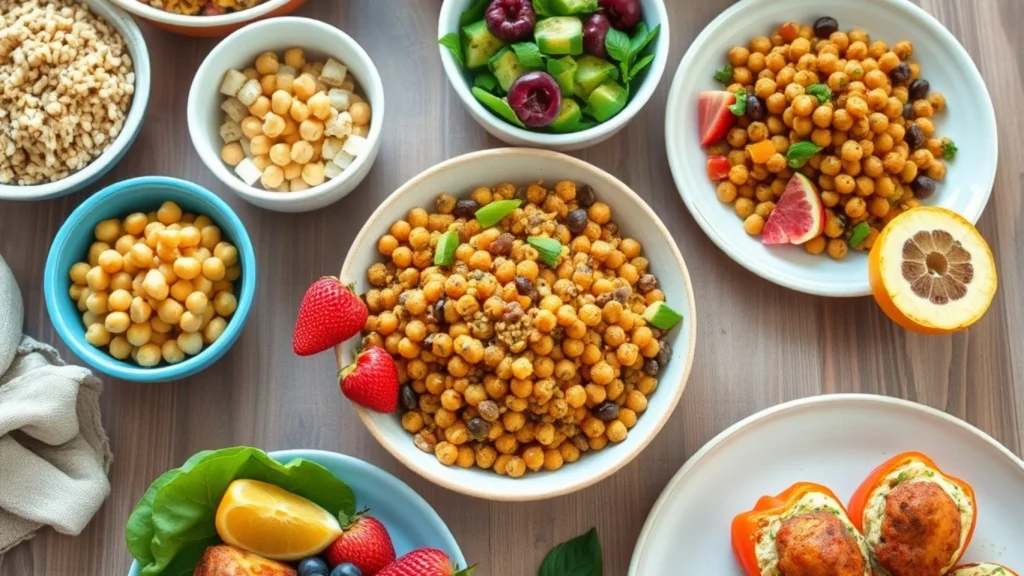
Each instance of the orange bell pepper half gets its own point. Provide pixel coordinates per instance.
(746, 525)
(859, 501)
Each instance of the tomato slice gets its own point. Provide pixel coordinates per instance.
(715, 118)
(718, 168)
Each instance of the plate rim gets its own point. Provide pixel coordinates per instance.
(776, 411)
(816, 286)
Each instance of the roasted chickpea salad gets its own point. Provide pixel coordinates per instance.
(821, 136)
(202, 7)
(526, 328)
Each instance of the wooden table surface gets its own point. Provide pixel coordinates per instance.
(758, 344)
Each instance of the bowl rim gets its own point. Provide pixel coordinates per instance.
(589, 136)
(229, 178)
(107, 364)
(197, 21)
(681, 175)
(554, 488)
(389, 481)
(136, 45)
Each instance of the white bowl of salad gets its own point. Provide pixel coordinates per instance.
(557, 74)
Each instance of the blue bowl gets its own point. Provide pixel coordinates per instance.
(410, 521)
(117, 201)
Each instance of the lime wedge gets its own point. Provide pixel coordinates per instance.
(661, 316)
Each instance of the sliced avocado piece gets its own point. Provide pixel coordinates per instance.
(559, 35)
(591, 72)
(479, 44)
(497, 105)
(564, 72)
(570, 7)
(568, 117)
(606, 101)
(506, 67)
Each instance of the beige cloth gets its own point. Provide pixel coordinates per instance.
(54, 454)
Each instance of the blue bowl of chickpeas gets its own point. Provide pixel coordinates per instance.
(150, 279)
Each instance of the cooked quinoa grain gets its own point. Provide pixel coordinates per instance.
(517, 354)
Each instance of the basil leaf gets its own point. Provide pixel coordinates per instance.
(642, 38)
(640, 65)
(497, 105)
(724, 74)
(616, 42)
(798, 154)
(529, 55)
(821, 91)
(542, 8)
(740, 107)
(949, 149)
(474, 13)
(580, 556)
(486, 81)
(452, 43)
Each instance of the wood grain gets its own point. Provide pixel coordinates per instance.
(758, 344)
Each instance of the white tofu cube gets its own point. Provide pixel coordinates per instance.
(231, 131)
(232, 83)
(246, 147)
(248, 172)
(340, 99)
(235, 110)
(332, 170)
(343, 160)
(356, 145)
(250, 91)
(339, 126)
(334, 73)
(331, 148)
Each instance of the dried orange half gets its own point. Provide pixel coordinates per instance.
(931, 271)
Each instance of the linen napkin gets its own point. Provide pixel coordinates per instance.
(54, 454)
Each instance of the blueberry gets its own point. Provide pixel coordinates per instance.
(313, 566)
(825, 27)
(346, 569)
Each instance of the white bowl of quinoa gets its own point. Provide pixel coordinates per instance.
(515, 355)
(206, 18)
(67, 119)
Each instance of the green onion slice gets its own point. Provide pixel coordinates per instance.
(492, 213)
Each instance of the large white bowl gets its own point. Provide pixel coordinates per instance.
(136, 46)
(238, 51)
(969, 120)
(636, 219)
(208, 26)
(654, 14)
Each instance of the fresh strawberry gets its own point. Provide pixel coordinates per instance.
(715, 117)
(365, 543)
(372, 380)
(425, 562)
(718, 168)
(330, 314)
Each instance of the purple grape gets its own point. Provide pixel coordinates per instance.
(623, 14)
(511, 20)
(535, 98)
(595, 29)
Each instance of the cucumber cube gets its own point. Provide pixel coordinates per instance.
(591, 72)
(479, 44)
(570, 7)
(560, 35)
(606, 101)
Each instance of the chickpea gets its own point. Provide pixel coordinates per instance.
(214, 330)
(97, 335)
(213, 269)
(837, 248)
(225, 304)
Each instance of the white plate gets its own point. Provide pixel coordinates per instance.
(969, 120)
(832, 440)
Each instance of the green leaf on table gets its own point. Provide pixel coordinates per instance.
(529, 55)
(822, 92)
(454, 45)
(580, 556)
(616, 42)
(474, 13)
(799, 153)
(949, 149)
(486, 81)
(724, 74)
(740, 107)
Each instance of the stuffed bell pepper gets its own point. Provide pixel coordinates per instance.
(917, 521)
(983, 569)
(804, 530)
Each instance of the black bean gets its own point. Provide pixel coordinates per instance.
(466, 208)
(478, 428)
(919, 89)
(525, 288)
(585, 196)
(923, 187)
(410, 399)
(577, 220)
(825, 27)
(607, 411)
(908, 111)
(502, 244)
(439, 311)
(914, 137)
(651, 367)
(664, 352)
(646, 283)
(900, 74)
(755, 107)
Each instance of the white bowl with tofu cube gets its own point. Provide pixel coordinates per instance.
(288, 113)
